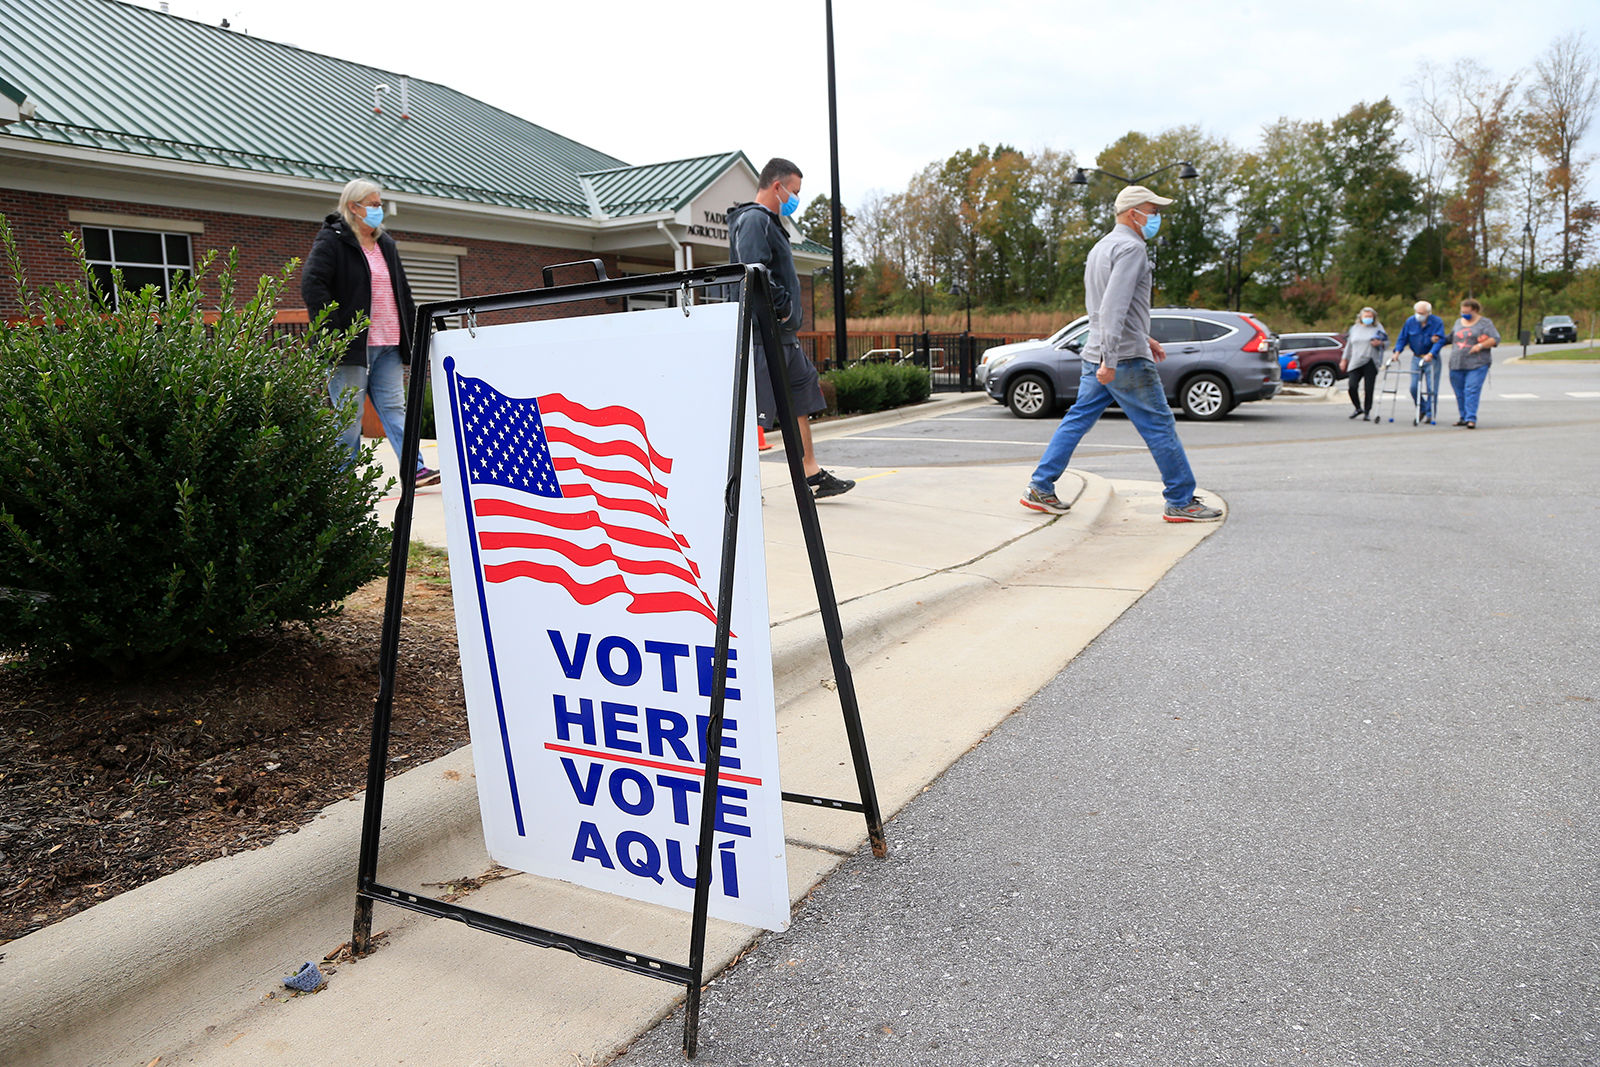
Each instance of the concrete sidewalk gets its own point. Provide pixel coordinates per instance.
(957, 605)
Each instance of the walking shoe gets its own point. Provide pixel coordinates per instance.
(427, 476)
(823, 483)
(1193, 511)
(1044, 502)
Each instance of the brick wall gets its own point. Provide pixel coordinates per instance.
(37, 221)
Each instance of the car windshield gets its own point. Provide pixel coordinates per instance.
(1558, 320)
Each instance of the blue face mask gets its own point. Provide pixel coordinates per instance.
(1467, 316)
(1152, 225)
(373, 217)
(791, 205)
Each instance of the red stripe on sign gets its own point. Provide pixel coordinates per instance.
(637, 761)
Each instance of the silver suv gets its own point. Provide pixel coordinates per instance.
(1216, 360)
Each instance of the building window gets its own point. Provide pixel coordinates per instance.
(144, 257)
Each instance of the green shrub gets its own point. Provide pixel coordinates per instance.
(168, 486)
(895, 385)
(865, 387)
(918, 385)
(859, 388)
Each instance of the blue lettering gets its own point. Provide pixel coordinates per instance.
(571, 666)
(675, 864)
(590, 846)
(647, 795)
(726, 810)
(583, 718)
(706, 661)
(669, 654)
(680, 788)
(633, 666)
(730, 869)
(584, 791)
(669, 727)
(649, 866)
(729, 726)
(611, 715)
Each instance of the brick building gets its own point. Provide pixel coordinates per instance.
(154, 139)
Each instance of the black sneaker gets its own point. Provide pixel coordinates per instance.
(427, 476)
(823, 483)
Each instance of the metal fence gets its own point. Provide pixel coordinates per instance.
(950, 358)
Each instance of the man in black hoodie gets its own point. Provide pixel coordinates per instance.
(756, 235)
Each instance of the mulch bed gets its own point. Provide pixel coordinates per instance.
(106, 785)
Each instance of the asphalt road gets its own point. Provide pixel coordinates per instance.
(1326, 795)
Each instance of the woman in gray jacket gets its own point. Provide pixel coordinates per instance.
(1363, 350)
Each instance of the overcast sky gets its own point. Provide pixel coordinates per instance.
(650, 81)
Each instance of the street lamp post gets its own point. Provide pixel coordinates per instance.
(957, 289)
(1081, 175)
(1522, 277)
(967, 347)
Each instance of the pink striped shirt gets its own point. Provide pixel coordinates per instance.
(385, 329)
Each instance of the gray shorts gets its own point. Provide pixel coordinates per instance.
(805, 391)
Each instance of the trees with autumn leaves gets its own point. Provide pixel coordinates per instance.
(1319, 216)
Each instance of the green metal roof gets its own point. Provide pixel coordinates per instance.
(658, 186)
(116, 77)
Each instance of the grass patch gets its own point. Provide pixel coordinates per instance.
(428, 564)
(1592, 352)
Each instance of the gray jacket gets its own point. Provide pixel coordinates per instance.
(756, 235)
(1358, 347)
(1116, 283)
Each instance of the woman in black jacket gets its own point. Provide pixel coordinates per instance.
(354, 267)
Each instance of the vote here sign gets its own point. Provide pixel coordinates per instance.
(584, 463)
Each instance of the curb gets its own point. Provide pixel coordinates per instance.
(935, 405)
(131, 973)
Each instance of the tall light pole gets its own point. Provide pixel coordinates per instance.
(1522, 277)
(836, 226)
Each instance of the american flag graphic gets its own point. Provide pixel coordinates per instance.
(573, 496)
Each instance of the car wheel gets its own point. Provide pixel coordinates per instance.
(1206, 397)
(1323, 375)
(1030, 397)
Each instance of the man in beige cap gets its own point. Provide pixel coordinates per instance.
(1119, 363)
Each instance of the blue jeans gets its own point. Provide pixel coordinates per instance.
(1468, 385)
(383, 379)
(1432, 369)
(1137, 390)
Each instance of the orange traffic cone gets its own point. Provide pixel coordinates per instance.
(761, 440)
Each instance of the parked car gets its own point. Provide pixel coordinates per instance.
(1556, 328)
(998, 351)
(1318, 354)
(1289, 367)
(1216, 360)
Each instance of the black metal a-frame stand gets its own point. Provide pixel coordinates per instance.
(755, 308)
